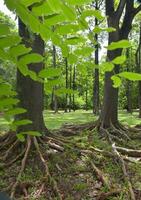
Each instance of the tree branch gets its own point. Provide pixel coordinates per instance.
(127, 21)
(137, 10)
(120, 8)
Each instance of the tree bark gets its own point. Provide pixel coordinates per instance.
(128, 84)
(138, 65)
(31, 92)
(109, 112)
(66, 104)
(55, 102)
(96, 73)
(74, 87)
(70, 96)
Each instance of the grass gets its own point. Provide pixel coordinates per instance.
(55, 121)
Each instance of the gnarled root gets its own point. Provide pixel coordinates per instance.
(126, 177)
(22, 167)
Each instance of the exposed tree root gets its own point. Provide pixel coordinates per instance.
(11, 155)
(47, 173)
(24, 160)
(129, 152)
(126, 177)
(104, 196)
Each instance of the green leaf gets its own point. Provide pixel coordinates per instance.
(43, 9)
(15, 111)
(109, 29)
(74, 40)
(28, 3)
(84, 51)
(92, 13)
(21, 122)
(30, 58)
(72, 59)
(20, 137)
(8, 102)
(31, 133)
(4, 29)
(130, 76)
(116, 81)
(9, 40)
(122, 44)
(119, 60)
(63, 91)
(78, 2)
(107, 66)
(69, 12)
(67, 28)
(50, 72)
(19, 50)
(5, 90)
(54, 19)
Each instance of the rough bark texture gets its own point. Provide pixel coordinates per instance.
(96, 73)
(30, 92)
(109, 112)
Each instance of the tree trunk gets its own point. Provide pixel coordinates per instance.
(66, 104)
(31, 92)
(70, 97)
(86, 107)
(109, 114)
(138, 63)
(96, 74)
(74, 87)
(55, 103)
(128, 85)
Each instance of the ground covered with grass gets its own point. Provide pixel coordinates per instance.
(85, 170)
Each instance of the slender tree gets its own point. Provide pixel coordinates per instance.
(96, 72)
(67, 84)
(138, 64)
(55, 103)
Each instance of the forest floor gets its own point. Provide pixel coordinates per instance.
(79, 175)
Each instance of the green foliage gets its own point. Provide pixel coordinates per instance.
(122, 44)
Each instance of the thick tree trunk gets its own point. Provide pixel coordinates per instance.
(109, 114)
(30, 92)
(96, 74)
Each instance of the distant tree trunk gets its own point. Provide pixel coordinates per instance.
(86, 107)
(128, 85)
(55, 103)
(70, 97)
(138, 64)
(31, 92)
(96, 73)
(109, 114)
(67, 85)
(74, 87)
